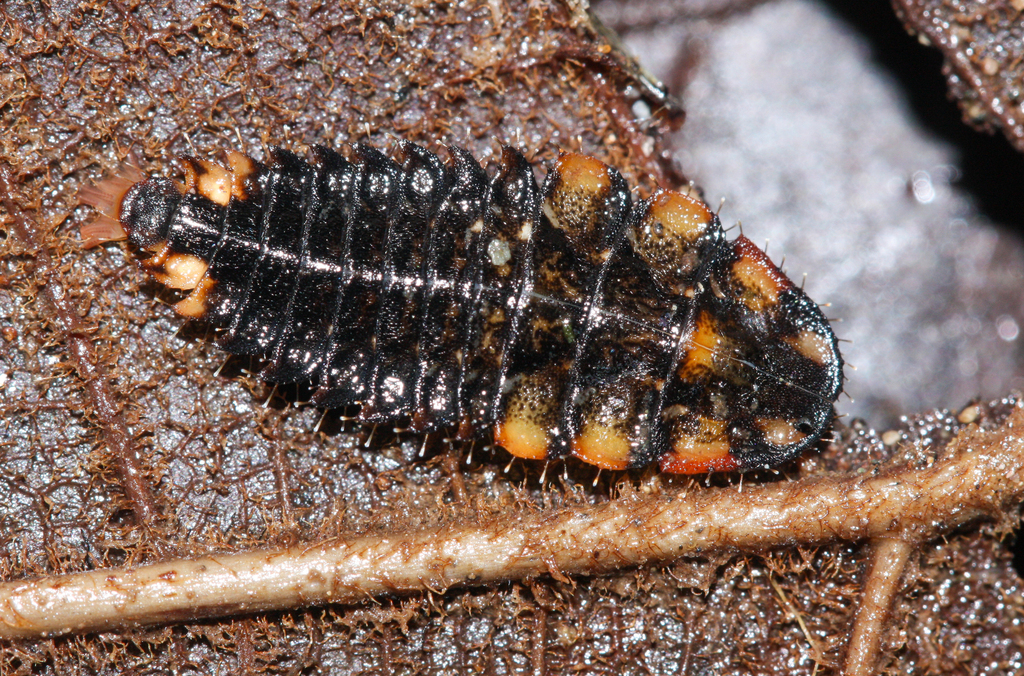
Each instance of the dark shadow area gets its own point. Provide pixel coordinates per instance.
(1018, 554)
(992, 170)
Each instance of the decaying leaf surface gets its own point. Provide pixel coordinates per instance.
(86, 87)
(983, 46)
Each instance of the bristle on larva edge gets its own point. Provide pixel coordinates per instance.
(106, 197)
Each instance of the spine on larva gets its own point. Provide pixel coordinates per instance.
(565, 317)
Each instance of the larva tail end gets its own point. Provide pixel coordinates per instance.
(106, 197)
(100, 231)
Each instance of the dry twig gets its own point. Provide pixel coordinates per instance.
(888, 561)
(979, 475)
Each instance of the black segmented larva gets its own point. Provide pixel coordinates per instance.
(569, 319)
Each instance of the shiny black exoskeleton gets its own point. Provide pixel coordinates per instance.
(565, 316)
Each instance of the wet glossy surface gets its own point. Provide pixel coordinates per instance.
(571, 320)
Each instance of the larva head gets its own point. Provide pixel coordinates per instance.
(756, 374)
(147, 209)
(674, 234)
(141, 209)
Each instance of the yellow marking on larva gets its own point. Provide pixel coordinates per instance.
(674, 411)
(242, 167)
(184, 271)
(695, 450)
(210, 180)
(194, 305)
(522, 437)
(681, 215)
(704, 451)
(579, 172)
(160, 252)
(815, 347)
(602, 445)
(216, 184)
(526, 231)
(780, 432)
(762, 282)
(705, 342)
(549, 211)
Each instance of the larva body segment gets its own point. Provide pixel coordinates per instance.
(565, 317)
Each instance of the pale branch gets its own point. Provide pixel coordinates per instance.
(981, 473)
(888, 561)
